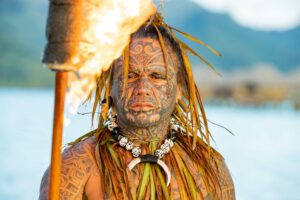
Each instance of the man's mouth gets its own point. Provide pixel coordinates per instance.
(142, 107)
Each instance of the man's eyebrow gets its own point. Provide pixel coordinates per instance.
(160, 68)
(133, 69)
(156, 67)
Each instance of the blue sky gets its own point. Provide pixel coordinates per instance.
(258, 14)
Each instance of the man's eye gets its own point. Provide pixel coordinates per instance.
(132, 75)
(158, 76)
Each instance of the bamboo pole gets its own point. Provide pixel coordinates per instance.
(55, 168)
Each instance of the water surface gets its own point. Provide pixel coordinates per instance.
(263, 156)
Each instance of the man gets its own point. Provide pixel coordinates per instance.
(145, 118)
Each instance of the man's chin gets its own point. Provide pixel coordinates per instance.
(143, 119)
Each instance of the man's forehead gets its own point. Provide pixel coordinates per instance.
(146, 41)
(150, 68)
(158, 67)
(149, 47)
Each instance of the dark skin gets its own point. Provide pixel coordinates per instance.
(143, 115)
(145, 110)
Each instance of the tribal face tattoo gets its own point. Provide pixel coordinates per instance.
(150, 94)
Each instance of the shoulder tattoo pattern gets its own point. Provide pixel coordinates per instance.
(226, 181)
(76, 165)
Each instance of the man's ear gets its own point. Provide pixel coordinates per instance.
(179, 92)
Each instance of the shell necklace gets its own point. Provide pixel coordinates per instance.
(136, 150)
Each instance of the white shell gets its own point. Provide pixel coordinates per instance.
(129, 145)
(165, 148)
(136, 151)
(112, 125)
(159, 153)
(163, 165)
(123, 141)
(172, 121)
(175, 127)
(169, 142)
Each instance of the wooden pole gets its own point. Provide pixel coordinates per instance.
(55, 167)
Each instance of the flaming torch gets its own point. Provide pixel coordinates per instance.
(84, 37)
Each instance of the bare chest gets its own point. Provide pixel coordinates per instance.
(186, 181)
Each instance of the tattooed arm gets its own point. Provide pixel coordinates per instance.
(226, 181)
(77, 162)
(44, 186)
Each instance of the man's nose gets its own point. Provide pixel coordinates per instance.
(143, 87)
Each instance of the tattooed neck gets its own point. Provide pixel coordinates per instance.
(145, 134)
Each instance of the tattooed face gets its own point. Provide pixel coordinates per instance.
(150, 95)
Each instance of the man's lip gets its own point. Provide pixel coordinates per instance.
(141, 106)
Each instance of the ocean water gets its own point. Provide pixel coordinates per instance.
(263, 156)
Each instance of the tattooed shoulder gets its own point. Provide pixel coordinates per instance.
(227, 186)
(77, 162)
(44, 188)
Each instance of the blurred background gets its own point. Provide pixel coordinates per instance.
(257, 98)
